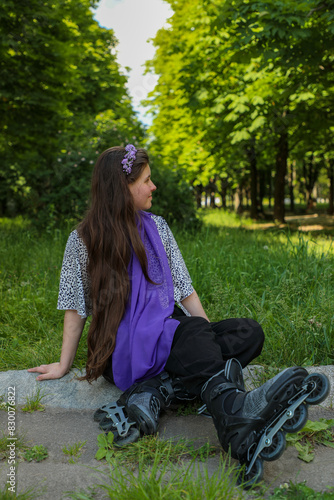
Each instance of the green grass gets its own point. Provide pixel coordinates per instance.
(74, 451)
(301, 491)
(33, 402)
(282, 279)
(30, 325)
(153, 468)
(21, 446)
(30, 494)
(148, 446)
(164, 479)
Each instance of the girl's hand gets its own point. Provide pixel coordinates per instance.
(49, 372)
(73, 326)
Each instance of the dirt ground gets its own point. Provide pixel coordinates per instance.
(312, 222)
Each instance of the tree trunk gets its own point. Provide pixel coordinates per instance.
(247, 194)
(223, 192)
(251, 154)
(238, 200)
(292, 196)
(331, 187)
(262, 190)
(311, 170)
(206, 198)
(270, 188)
(198, 195)
(281, 170)
(212, 188)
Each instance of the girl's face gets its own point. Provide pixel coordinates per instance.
(142, 190)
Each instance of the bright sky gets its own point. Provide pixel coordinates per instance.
(134, 22)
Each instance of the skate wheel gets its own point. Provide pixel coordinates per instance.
(253, 477)
(275, 450)
(99, 415)
(145, 423)
(107, 424)
(297, 422)
(321, 391)
(132, 436)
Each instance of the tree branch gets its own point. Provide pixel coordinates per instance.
(322, 6)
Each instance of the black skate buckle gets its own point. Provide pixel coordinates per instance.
(166, 389)
(117, 416)
(220, 389)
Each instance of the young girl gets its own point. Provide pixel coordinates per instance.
(149, 333)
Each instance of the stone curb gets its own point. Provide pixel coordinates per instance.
(69, 392)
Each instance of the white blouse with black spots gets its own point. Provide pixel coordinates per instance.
(74, 287)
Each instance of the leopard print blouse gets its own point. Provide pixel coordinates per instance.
(74, 287)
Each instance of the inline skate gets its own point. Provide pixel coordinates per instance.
(252, 425)
(138, 409)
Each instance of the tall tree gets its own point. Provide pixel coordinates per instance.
(58, 73)
(240, 76)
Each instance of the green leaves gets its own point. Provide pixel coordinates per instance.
(58, 77)
(319, 432)
(305, 451)
(36, 453)
(257, 123)
(240, 135)
(243, 75)
(105, 443)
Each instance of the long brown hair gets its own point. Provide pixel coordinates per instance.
(110, 234)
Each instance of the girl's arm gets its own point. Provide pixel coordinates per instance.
(73, 327)
(194, 306)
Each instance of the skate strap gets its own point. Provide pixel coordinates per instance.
(238, 402)
(166, 388)
(233, 373)
(205, 386)
(219, 389)
(159, 386)
(180, 392)
(203, 410)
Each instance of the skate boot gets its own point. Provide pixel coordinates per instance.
(233, 372)
(181, 393)
(137, 410)
(249, 423)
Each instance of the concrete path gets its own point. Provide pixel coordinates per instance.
(68, 419)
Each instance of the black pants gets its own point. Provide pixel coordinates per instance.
(200, 349)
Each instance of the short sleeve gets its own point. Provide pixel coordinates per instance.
(180, 274)
(74, 286)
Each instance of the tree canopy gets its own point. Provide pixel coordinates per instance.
(243, 106)
(63, 99)
(245, 92)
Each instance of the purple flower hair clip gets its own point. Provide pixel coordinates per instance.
(129, 158)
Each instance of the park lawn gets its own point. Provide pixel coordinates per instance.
(283, 280)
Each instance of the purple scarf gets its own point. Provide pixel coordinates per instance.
(145, 334)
